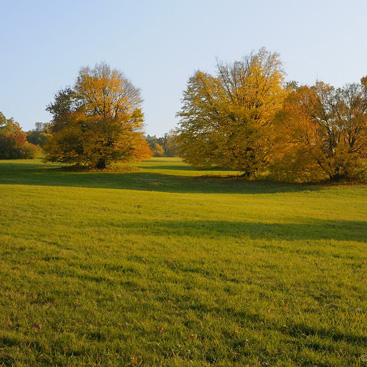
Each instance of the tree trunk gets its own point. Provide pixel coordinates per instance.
(336, 177)
(338, 174)
(101, 163)
(248, 174)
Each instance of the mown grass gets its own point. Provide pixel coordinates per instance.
(171, 266)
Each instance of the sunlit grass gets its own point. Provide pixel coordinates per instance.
(167, 266)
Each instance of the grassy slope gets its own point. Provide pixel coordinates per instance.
(162, 267)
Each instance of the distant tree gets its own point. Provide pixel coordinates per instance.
(165, 146)
(322, 133)
(170, 144)
(38, 135)
(13, 142)
(3, 120)
(225, 118)
(97, 121)
(158, 150)
(151, 140)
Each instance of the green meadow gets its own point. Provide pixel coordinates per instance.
(166, 265)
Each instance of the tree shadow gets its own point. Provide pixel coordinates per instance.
(26, 173)
(303, 330)
(180, 167)
(172, 168)
(339, 230)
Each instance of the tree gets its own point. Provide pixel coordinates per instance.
(97, 121)
(169, 143)
(165, 146)
(225, 119)
(322, 133)
(13, 143)
(158, 150)
(38, 135)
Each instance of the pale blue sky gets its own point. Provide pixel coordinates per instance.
(159, 44)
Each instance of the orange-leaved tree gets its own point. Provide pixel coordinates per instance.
(98, 121)
(13, 141)
(322, 133)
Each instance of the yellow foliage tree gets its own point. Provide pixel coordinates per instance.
(98, 121)
(226, 119)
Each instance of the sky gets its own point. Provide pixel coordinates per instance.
(159, 44)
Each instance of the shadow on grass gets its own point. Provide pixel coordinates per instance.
(180, 167)
(302, 330)
(172, 168)
(30, 173)
(313, 230)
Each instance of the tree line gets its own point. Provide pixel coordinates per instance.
(164, 146)
(245, 117)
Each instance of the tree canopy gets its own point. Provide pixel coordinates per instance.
(13, 142)
(247, 118)
(38, 135)
(97, 121)
(322, 133)
(164, 146)
(225, 118)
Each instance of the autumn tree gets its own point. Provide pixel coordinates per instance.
(13, 142)
(155, 146)
(322, 133)
(169, 143)
(225, 119)
(164, 146)
(97, 121)
(38, 135)
(158, 150)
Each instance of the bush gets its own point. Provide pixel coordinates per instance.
(13, 142)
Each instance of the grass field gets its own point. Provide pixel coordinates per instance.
(171, 266)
